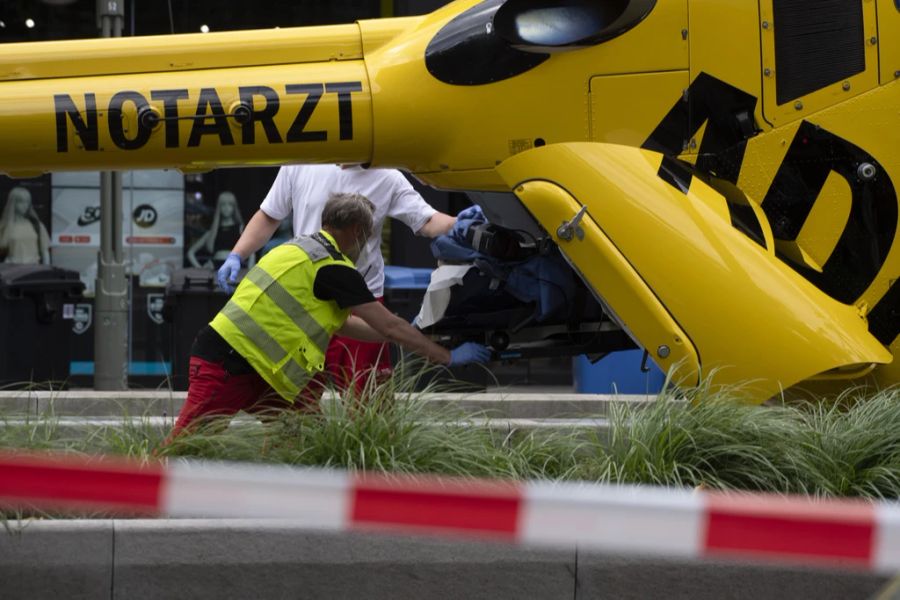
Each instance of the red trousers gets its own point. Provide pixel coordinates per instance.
(349, 361)
(214, 392)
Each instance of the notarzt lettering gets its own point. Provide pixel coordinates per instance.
(258, 104)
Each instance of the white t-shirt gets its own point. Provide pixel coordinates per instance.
(304, 189)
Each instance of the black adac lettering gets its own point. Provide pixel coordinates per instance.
(815, 153)
(264, 116)
(680, 175)
(85, 126)
(884, 319)
(728, 114)
(117, 121)
(170, 100)
(676, 173)
(209, 108)
(868, 235)
(344, 91)
(297, 132)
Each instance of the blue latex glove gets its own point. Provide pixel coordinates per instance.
(228, 272)
(470, 352)
(473, 212)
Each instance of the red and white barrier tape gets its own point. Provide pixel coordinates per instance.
(610, 518)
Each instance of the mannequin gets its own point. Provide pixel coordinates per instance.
(23, 238)
(227, 226)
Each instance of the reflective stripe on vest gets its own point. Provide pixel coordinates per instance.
(297, 375)
(291, 307)
(314, 248)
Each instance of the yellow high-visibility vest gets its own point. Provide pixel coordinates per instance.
(274, 319)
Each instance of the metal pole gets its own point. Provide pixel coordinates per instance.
(111, 299)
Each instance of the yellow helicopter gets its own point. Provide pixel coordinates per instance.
(718, 172)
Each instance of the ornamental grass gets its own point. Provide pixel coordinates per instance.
(848, 446)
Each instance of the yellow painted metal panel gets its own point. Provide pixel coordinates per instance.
(724, 40)
(659, 43)
(183, 52)
(625, 109)
(474, 127)
(780, 328)
(825, 223)
(423, 124)
(888, 40)
(763, 158)
(376, 33)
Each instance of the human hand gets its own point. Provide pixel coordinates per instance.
(470, 352)
(228, 272)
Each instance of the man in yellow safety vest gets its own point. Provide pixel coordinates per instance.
(265, 348)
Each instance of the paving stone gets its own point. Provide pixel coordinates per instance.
(273, 559)
(56, 559)
(602, 577)
(18, 403)
(166, 403)
(129, 402)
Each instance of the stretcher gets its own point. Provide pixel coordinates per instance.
(469, 302)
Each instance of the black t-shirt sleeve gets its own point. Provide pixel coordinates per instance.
(342, 284)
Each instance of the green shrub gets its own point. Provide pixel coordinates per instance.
(844, 447)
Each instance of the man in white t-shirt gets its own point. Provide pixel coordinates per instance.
(302, 190)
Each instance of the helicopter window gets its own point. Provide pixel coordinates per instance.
(498, 39)
(548, 24)
(467, 50)
(557, 26)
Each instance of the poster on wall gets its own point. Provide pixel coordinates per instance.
(152, 224)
